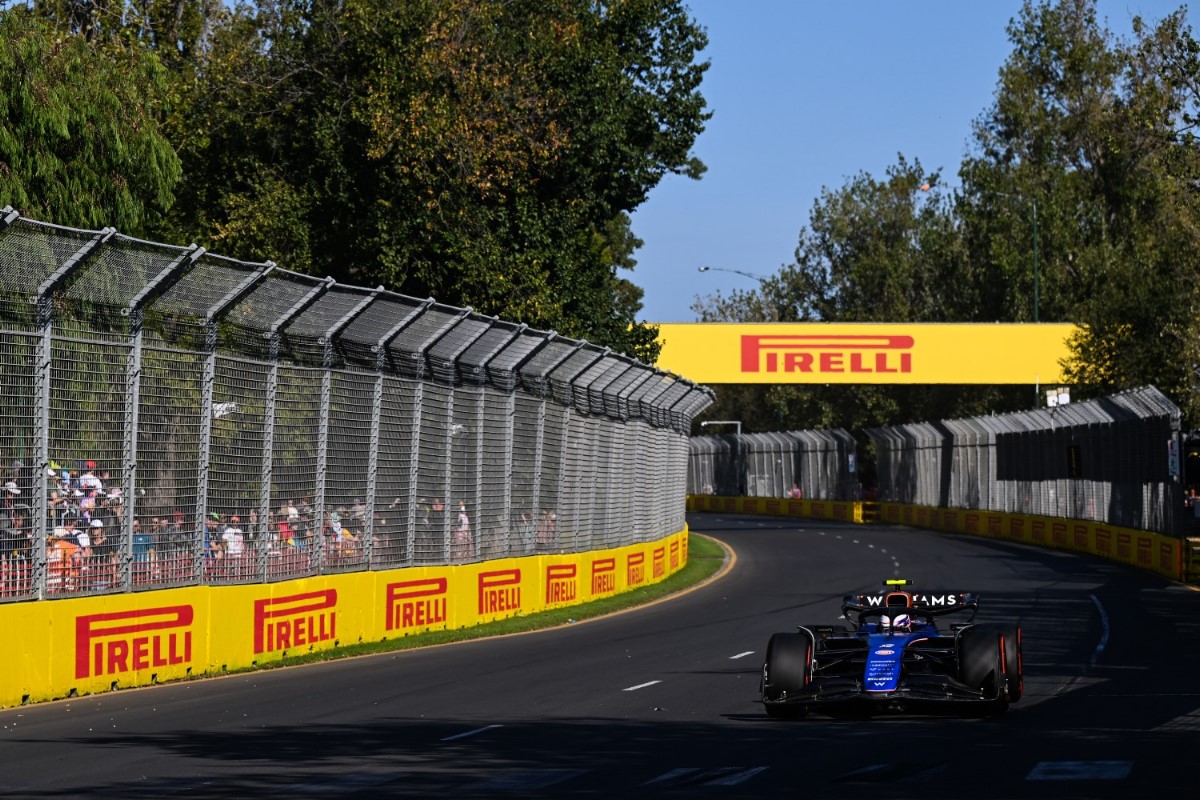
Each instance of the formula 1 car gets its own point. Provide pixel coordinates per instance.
(895, 659)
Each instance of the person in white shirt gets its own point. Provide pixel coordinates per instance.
(233, 538)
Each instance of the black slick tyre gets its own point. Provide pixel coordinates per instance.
(786, 673)
(981, 664)
(1014, 667)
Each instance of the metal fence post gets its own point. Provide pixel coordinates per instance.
(204, 462)
(44, 299)
(136, 311)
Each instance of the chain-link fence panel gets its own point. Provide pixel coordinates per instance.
(176, 416)
(817, 464)
(397, 505)
(1103, 460)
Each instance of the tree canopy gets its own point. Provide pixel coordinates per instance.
(482, 152)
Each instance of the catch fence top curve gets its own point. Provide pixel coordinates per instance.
(188, 384)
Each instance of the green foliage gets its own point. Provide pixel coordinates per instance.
(483, 152)
(80, 142)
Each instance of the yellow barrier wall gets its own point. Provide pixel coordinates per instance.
(841, 510)
(60, 648)
(1145, 549)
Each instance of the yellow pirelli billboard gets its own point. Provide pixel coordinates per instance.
(868, 352)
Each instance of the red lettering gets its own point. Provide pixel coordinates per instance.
(792, 362)
(103, 642)
(831, 362)
(282, 634)
(118, 656)
(141, 652)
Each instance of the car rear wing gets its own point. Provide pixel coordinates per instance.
(924, 606)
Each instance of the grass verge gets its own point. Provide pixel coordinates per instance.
(705, 557)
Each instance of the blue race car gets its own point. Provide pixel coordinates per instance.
(895, 659)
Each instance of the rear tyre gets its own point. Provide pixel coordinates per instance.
(786, 673)
(1014, 667)
(1014, 661)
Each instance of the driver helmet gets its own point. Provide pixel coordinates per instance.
(902, 622)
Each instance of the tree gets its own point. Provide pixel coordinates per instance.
(80, 140)
(1089, 128)
(476, 151)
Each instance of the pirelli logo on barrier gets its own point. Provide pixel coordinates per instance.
(1016, 528)
(604, 575)
(124, 641)
(500, 591)
(635, 569)
(1079, 535)
(416, 604)
(562, 583)
(865, 352)
(827, 354)
(297, 620)
(658, 565)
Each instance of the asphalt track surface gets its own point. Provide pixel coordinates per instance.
(662, 701)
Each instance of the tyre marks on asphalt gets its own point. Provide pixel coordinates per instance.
(708, 776)
(458, 736)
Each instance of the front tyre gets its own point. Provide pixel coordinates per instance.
(786, 672)
(981, 665)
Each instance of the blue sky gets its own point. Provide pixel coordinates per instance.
(806, 94)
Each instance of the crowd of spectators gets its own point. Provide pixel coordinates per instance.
(86, 515)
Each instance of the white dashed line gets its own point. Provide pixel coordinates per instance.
(469, 733)
(1103, 643)
(742, 655)
(640, 686)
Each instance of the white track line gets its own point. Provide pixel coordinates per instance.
(469, 733)
(1103, 643)
(640, 686)
(742, 655)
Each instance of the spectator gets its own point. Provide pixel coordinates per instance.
(462, 545)
(14, 544)
(62, 558)
(102, 563)
(233, 540)
(212, 535)
(88, 480)
(547, 528)
(145, 557)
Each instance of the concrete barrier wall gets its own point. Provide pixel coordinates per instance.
(71, 647)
